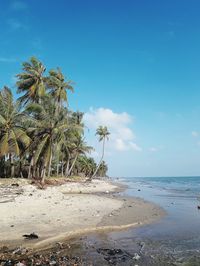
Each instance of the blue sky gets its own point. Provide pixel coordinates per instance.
(136, 67)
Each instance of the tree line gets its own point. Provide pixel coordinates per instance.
(39, 136)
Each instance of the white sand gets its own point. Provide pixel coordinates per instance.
(65, 210)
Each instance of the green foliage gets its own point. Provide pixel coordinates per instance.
(39, 135)
(31, 82)
(12, 133)
(103, 133)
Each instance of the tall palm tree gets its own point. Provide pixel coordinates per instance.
(31, 82)
(49, 129)
(58, 87)
(103, 134)
(12, 134)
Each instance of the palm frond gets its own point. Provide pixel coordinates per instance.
(4, 148)
(40, 148)
(12, 142)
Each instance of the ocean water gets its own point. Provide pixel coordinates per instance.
(178, 196)
(172, 240)
(176, 237)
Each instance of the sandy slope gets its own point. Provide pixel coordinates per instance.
(60, 211)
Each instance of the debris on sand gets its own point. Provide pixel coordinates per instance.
(31, 236)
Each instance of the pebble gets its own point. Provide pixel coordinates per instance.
(136, 256)
(53, 262)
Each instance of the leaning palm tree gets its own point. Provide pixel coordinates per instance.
(12, 134)
(58, 87)
(31, 81)
(103, 134)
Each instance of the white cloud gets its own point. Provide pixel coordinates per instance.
(135, 147)
(195, 134)
(125, 133)
(122, 138)
(120, 145)
(105, 116)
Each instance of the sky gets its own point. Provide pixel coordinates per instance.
(136, 69)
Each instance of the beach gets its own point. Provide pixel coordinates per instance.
(74, 208)
(102, 222)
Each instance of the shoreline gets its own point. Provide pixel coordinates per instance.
(62, 212)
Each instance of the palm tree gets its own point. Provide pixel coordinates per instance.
(103, 168)
(88, 166)
(103, 134)
(31, 82)
(92, 165)
(66, 146)
(77, 118)
(12, 134)
(39, 136)
(58, 87)
(78, 147)
(49, 130)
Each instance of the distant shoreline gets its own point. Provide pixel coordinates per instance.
(61, 212)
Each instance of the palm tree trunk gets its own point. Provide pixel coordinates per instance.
(72, 166)
(37, 172)
(43, 174)
(103, 151)
(67, 168)
(50, 161)
(20, 167)
(4, 168)
(29, 171)
(57, 169)
(62, 168)
(34, 171)
(57, 159)
(57, 104)
(30, 168)
(67, 165)
(12, 167)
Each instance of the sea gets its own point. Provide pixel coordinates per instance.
(172, 240)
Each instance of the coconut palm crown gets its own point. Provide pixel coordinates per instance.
(58, 86)
(31, 81)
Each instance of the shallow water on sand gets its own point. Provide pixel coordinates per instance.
(174, 240)
(179, 197)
